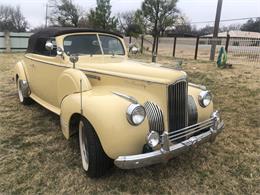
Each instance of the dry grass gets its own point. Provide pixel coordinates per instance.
(35, 158)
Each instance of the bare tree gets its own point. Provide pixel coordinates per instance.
(11, 19)
(64, 13)
(132, 23)
(125, 19)
(160, 14)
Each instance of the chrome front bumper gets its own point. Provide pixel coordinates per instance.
(169, 150)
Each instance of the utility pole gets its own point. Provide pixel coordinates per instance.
(216, 29)
(46, 16)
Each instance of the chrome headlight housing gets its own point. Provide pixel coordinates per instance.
(135, 114)
(205, 98)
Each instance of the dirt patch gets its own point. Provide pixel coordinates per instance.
(35, 158)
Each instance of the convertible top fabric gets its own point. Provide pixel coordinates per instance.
(48, 33)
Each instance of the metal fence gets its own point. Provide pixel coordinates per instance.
(244, 50)
(13, 42)
(239, 50)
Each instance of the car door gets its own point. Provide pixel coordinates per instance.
(44, 69)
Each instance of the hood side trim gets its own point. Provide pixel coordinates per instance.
(127, 97)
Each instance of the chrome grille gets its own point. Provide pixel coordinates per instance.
(177, 105)
(155, 117)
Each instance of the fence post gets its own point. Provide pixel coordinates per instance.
(174, 46)
(154, 57)
(130, 39)
(157, 44)
(197, 47)
(227, 42)
(130, 43)
(7, 41)
(142, 43)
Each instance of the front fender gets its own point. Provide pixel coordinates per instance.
(69, 83)
(107, 114)
(203, 113)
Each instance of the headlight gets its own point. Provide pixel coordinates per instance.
(205, 98)
(135, 114)
(153, 139)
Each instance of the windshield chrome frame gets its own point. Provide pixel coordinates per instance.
(100, 44)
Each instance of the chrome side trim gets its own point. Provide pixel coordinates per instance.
(155, 117)
(202, 87)
(93, 77)
(127, 97)
(49, 63)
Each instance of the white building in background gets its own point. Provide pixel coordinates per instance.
(237, 34)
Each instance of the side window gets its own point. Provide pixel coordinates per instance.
(40, 47)
(111, 45)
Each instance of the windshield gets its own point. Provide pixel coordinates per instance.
(89, 44)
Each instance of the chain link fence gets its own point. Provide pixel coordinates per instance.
(239, 50)
(244, 50)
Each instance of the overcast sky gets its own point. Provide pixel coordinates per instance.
(195, 10)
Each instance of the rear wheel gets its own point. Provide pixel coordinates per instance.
(94, 160)
(22, 99)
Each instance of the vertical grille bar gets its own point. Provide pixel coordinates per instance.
(177, 105)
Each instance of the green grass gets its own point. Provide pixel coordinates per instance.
(36, 158)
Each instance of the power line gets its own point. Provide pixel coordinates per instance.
(227, 20)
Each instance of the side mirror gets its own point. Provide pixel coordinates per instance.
(49, 46)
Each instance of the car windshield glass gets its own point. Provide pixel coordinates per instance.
(111, 45)
(89, 45)
(82, 45)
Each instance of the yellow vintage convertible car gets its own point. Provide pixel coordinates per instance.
(125, 112)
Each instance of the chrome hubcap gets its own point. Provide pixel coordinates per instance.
(83, 146)
(19, 92)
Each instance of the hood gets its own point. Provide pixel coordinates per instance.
(122, 67)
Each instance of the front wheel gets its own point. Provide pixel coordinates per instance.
(94, 160)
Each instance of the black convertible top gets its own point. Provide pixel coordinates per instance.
(39, 38)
